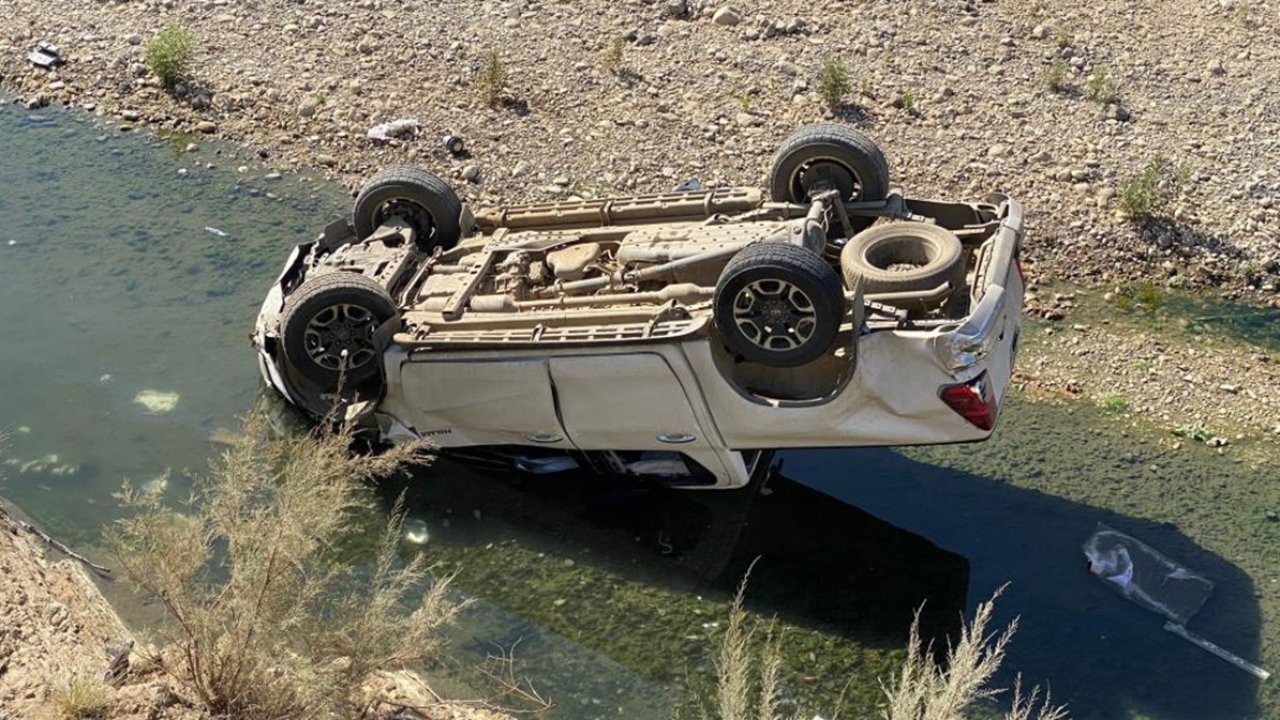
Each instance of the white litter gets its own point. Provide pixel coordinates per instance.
(402, 128)
(157, 402)
(216, 231)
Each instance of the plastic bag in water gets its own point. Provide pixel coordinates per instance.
(1145, 576)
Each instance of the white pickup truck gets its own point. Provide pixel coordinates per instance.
(669, 335)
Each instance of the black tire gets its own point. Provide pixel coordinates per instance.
(331, 313)
(935, 252)
(417, 196)
(778, 304)
(829, 155)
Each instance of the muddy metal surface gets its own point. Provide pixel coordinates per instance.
(125, 355)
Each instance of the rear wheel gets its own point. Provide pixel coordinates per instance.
(328, 325)
(778, 304)
(828, 156)
(416, 196)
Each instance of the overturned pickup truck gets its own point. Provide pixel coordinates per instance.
(673, 336)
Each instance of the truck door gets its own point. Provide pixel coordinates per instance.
(483, 402)
(625, 402)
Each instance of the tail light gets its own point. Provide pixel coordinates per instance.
(972, 401)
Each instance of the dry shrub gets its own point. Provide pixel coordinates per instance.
(492, 79)
(81, 696)
(268, 616)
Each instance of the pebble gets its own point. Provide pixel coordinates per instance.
(206, 127)
(471, 174)
(308, 107)
(130, 115)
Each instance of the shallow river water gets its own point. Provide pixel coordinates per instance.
(126, 294)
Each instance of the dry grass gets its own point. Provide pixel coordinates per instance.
(80, 696)
(748, 680)
(925, 691)
(268, 619)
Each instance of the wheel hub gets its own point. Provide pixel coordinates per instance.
(820, 174)
(340, 337)
(774, 315)
(409, 211)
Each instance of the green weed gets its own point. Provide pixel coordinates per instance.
(168, 54)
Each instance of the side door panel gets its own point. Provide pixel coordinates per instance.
(624, 402)
(483, 402)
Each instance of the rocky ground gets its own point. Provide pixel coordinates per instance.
(57, 630)
(1058, 104)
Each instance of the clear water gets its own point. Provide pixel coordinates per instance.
(613, 597)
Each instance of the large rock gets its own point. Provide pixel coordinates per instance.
(727, 16)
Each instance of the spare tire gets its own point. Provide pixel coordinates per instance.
(327, 328)
(778, 304)
(827, 155)
(416, 196)
(902, 257)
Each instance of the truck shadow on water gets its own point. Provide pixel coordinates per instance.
(1101, 654)
(850, 543)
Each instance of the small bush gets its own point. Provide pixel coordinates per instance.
(82, 696)
(615, 55)
(1196, 431)
(1099, 87)
(1144, 296)
(1064, 37)
(907, 101)
(1055, 76)
(833, 82)
(168, 54)
(1113, 402)
(492, 79)
(270, 618)
(1147, 194)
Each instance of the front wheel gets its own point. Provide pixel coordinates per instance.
(778, 304)
(328, 325)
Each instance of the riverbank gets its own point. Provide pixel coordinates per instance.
(60, 639)
(54, 624)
